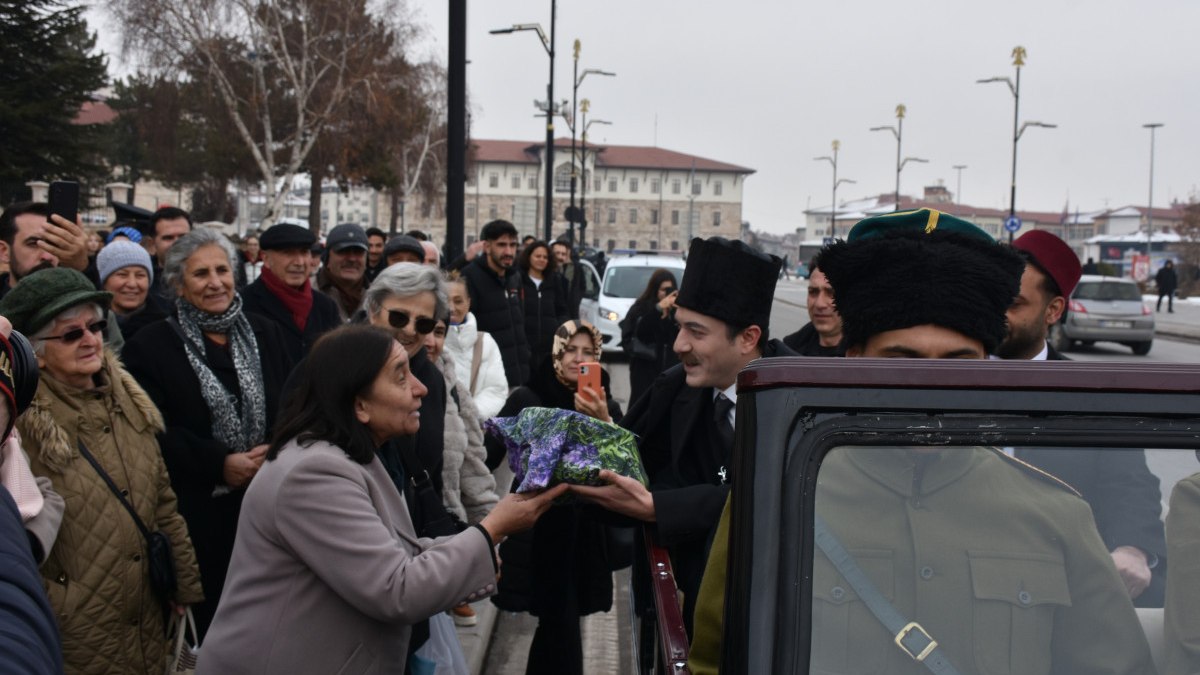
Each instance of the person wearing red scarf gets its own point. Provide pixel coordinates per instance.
(284, 293)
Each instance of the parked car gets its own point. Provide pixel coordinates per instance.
(605, 303)
(832, 437)
(1105, 309)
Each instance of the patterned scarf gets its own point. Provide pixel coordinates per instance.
(562, 336)
(239, 425)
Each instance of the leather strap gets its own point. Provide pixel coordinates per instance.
(476, 358)
(115, 490)
(909, 636)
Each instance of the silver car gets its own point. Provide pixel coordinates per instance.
(1105, 309)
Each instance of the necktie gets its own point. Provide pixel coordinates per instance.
(722, 407)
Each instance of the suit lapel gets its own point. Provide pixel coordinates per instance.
(685, 418)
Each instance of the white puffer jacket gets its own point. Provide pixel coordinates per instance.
(491, 386)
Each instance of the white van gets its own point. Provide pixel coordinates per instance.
(605, 303)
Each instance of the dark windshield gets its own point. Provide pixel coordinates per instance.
(1107, 290)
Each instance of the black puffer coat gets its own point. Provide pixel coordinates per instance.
(496, 304)
(545, 310)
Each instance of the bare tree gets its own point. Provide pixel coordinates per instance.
(283, 69)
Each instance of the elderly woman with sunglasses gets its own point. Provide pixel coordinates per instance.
(88, 422)
(216, 373)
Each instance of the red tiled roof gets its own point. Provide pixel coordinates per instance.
(94, 112)
(608, 156)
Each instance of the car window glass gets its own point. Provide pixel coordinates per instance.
(627, 282)
(591, 287)
(1107, 290)
(1006, 567)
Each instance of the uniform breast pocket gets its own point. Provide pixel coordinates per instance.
(1015, 599)
(846, 637)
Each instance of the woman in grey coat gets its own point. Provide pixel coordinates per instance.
(328, 574)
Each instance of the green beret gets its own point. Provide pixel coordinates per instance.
(38, 298)
(925, 220)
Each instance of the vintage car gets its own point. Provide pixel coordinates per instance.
(925, 473)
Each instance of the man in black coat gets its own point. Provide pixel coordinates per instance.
(495, 289)
(1167, 281)
(822, 335)
(684, 423)
(1125, 497)
(284, 294)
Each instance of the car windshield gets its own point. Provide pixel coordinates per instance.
(627, 282)
(1107, 290)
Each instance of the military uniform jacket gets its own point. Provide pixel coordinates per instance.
(1005, 570)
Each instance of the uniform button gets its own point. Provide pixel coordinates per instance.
(1024, 597)
(927, 573)
(133, 622)
(137, 557)
(62, 579)
(107, 429)
(837, 593)
(124, 493)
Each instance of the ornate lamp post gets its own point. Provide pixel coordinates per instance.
(898, 132)
(836, 182)
(579, 216)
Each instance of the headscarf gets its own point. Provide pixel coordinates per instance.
(564, 334)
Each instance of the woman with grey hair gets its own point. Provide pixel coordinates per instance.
(216, 374)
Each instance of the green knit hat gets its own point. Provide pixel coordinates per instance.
(43, 295)
(926, 220)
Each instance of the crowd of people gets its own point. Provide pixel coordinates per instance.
(303, 423)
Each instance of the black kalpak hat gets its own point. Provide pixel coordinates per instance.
(908, 278)
(730, 281)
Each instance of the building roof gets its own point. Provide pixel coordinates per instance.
(94, 112)
(607, 156)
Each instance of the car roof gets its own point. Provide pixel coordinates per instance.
(1101, 277)
(645, 260)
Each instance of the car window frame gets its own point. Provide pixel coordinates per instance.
(811, 405)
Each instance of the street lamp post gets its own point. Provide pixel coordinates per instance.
(1018, 54)
(1150, 206)
(548, 43)
(583, 192)
(898, 132)
(577, 80)
(836, 182)
(958, 191)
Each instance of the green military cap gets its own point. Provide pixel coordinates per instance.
(926, 220)
(43, 295)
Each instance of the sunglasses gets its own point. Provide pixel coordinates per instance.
(398, 318)
(75, 335)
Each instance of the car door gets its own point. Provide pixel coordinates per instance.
(1001, 563)
(589, 305)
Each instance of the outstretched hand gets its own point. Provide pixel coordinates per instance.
(519, 511)
(623, 495)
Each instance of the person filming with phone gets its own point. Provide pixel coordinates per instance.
(559, 572)
(37, 236)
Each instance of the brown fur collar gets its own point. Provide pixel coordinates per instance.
(46, 435)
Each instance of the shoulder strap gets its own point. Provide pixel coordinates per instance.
(116, 491)
(476, 358)
(909, 636)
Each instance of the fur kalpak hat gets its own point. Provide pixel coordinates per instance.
(908, 277)
(730, 281)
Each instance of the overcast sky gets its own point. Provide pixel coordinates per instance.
(768, 85)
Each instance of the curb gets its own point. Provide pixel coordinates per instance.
(476, 639)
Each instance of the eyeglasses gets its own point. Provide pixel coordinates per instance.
(76, 334)
(398, 318)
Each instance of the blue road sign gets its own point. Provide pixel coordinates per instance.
(1012, 223)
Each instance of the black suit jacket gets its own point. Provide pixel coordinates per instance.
(257, 298)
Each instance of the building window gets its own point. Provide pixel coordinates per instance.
(596, 215)
(533, 182)
(655, 186)
(653, 244)
(493, 212)
(470, 210)
(633, 185)
(633, 216)
(472, 179)
(716, 218)
(675, 216)
(676, 186)
(633, 244)
(718, 188)
(494, 180)
(516, 182)
(612, 216)
(596, 243)
(596, 185)
(612, 243)
(653, 216)
(695, 187)
(562, 178)
(612, 184)
(674, 245)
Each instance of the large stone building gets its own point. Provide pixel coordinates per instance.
(633, 196)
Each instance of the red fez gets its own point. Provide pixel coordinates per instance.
(1053, 256)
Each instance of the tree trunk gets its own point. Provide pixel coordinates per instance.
(395, 214)
(314, 200)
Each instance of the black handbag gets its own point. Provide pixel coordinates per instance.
(158, 545)
(431, 518)
(634, 346)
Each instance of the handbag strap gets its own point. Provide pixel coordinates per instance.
(476, 359)
(115, 490)
(909, 636)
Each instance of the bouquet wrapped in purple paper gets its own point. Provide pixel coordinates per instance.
(548, 446)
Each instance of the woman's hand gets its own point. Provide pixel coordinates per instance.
(667, 304)
(240, 467)
(592, 404)
(518, 512)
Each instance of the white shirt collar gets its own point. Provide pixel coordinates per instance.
(731, 394)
